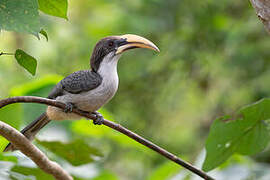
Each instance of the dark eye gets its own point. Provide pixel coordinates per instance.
(111, 43)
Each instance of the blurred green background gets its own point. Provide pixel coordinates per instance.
(214, 59)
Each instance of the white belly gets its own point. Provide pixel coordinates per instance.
(91, 100)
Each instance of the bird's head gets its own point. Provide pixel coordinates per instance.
(111, 48)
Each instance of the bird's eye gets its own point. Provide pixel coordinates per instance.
(111, 43)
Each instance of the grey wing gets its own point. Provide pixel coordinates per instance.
(76, 82)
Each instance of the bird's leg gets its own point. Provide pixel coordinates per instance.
(99, 118)
(69, 107)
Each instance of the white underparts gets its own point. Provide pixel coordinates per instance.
(92, 100)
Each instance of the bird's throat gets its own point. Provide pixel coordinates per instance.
(108, 67)
(108, 71)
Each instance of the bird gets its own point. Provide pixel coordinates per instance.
(88, 90)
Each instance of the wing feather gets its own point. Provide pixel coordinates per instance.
(77, 82)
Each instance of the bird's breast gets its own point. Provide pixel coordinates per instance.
(87, 101)
(93, 99)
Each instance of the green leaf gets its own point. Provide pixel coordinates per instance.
(44, 33)
(30, 172)
(26, 61)
(246, 135)
(20, 16)
(105, 175)
(37, 87)
(34, 87)
(11, 114)
(4, 157)
(165, 171)
(82, 127)
(55, 8)
(76, 152)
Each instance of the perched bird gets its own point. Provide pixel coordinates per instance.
(88, 90)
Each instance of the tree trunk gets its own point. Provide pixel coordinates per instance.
(262, 8)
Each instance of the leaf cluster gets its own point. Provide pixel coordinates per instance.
(24, 17)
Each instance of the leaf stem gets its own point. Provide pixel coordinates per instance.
(3, 53)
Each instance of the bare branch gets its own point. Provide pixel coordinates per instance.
(3, 53)
(27, 148)
(262, 8)
(117, 127)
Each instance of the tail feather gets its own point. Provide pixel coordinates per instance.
(31, 130)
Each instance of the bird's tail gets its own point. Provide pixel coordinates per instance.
(31, 130)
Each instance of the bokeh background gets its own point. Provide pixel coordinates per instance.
(214, 59)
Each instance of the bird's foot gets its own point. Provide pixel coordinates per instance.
(99, 118)
(69, 107)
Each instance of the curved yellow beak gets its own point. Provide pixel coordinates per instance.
(134, 41)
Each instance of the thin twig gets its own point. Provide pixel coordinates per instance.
(3, 53)
(117, 127)
(27, 148)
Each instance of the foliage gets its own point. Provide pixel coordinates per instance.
(20, 16)
(7, 158)
(164, 171)
(55, 8)
(26, 61)
(23, 16)
(29, 173)
(44, 33)
(13, 112)
(246, 135)
(76, 152)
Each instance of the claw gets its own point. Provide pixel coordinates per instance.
(99, 118)
(69, 107)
